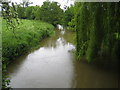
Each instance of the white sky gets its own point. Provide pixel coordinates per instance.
(40, 2)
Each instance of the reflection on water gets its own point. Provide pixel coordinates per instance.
(60, 27)
(51, 66)
(54, 66)
(62, 32)
(91, 76)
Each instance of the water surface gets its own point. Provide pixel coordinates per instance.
(49, 66)
(53, 65)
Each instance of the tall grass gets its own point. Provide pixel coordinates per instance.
(28, 34)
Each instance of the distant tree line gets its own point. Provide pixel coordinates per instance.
(49, 12)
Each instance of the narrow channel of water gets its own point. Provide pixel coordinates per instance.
(53, 65)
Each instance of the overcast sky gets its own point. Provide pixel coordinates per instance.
(40, 2)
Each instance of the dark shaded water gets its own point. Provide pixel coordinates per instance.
(53, 65)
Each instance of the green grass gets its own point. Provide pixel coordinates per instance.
(29, 33)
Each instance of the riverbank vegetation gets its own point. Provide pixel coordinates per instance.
(96, 35)
(27, 35)
(97, 29)
(96, 26)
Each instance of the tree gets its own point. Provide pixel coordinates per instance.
(21, 12)
(96, 27)
(36, 12)
(68, 15)
(29, 13)
(51, 12)
(25, 3)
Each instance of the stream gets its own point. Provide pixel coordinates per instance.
(53, 65)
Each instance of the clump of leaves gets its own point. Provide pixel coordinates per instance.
(10, 14)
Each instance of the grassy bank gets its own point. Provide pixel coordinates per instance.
(27, 35)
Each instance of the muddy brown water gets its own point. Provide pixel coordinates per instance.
(53, 65)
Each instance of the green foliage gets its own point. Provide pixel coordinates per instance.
(68, 16)
(97, 30)
(49, 12)
(36, 12)
(72, 25)
(21, 12)
(81, 29)
(10, 15)
(117, 35)
(28, 34)
(29, 14)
